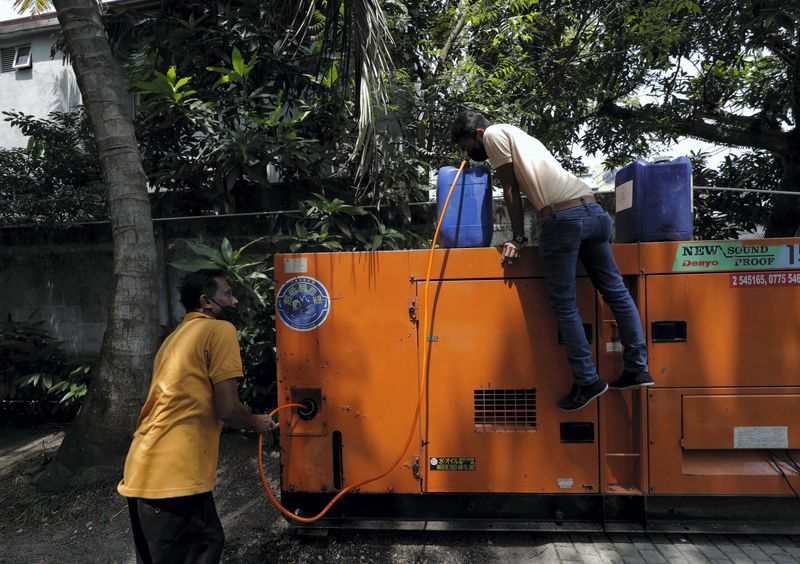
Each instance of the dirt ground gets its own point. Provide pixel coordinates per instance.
(90, 524)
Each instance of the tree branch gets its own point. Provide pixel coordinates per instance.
(717, 127)
(451, 39)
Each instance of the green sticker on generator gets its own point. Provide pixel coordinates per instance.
(453, 463)
(710, 256)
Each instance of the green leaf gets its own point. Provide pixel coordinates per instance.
(256, 240)
(237, 62)
(182, 82)
(205, 250)
(332, 76)
(193, 265)
(227, 251)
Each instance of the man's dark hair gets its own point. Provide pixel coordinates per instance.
(466, 124)
(195, 284)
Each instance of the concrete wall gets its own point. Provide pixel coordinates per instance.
(64, 276)
(48, 86)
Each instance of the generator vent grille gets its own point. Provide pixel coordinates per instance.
(505, 411)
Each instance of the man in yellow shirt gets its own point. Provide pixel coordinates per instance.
(172, 462)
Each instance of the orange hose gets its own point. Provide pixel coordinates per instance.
(423, 384)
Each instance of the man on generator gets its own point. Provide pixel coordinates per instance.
(172, 463)
(573, 225)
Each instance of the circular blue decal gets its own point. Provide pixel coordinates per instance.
(303, 303)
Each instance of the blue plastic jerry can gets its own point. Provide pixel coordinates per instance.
(654, 201)
(468, 221)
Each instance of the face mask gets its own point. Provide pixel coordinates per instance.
(229, 313)
(478, 153)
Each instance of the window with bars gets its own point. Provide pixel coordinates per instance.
(505, 410)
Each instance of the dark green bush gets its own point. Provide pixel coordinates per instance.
(34, 367)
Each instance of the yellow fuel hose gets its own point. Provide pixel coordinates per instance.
(423, 382)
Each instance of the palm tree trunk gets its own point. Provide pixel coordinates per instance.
(98, 439)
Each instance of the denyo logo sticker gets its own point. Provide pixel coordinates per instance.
(303, 303)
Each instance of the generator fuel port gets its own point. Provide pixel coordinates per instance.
(309, 410)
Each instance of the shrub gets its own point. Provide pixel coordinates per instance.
(34, 367)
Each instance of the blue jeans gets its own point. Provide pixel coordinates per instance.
(585, 232)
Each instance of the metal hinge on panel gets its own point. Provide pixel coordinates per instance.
(433, 339)
(412, 311)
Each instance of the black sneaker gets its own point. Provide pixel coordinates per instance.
(632, 381)
(579, 396)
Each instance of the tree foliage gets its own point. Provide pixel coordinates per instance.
(236, 114)
(56, 178)
(621, 77)
(720, 214)
(253, 113)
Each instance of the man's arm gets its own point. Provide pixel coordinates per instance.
(234, 413)
(513, 201)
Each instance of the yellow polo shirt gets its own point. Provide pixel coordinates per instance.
(175, 447)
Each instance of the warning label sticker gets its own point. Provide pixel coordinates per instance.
(765, 280)
(624, 196)
(760, 437)
(712, 256)
(452, 463)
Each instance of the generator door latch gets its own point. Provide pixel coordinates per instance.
(415, 469)
(412, 311)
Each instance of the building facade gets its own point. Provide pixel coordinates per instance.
(38, 84)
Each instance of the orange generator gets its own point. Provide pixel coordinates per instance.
(713, 446)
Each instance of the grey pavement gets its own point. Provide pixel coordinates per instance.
(406, 547)
(649, 548)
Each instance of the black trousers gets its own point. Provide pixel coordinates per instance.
(176, 530)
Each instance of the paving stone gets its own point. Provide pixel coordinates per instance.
(585, 548)
(670, 552)
(547, 554)
(692, 553)
(568, 554)
(625, 549)
(768, 545)
(754, 552)
(710, 551)
(732, 553)
(784, 558)
(652, 556)
(601, 541)
(610, 556)
(740, 558)
(643, 544)
(787, 544)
